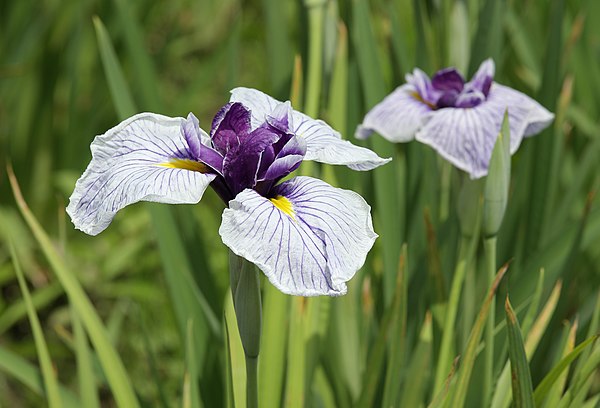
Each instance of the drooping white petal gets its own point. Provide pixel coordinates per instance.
(308, 240)
(397, 118)
(323, 143)
(141, 159)
(466, 136)
(538, 119)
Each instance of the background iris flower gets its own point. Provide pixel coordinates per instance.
(461, 121)
(308, 237)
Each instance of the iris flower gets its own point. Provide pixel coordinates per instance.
(461, 121)
(308, 237)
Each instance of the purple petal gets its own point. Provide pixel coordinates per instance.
(448, 79)
(448, 99)
(483, 78)
(281, 118)
(422, 85)
(190, 128)
(469, 99)
(199, 144)
(144, 158)
(308, 240)
(288, 160)
(397, 117)
(241, 163)
(230, 125)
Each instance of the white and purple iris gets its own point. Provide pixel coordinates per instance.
(461, 121)
(308, 237)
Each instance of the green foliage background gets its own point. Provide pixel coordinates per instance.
(158, 279)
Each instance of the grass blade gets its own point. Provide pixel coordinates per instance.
(295, 388)
(85, 371)
(545, 166)
(521, 376)
(274, 339)
(420, 363)
(397, 343)
(547, 383)
(116, 81)
(386, 184)
(50, 380)
(191, 395)
(459, 392)
(112, 365)
(488, 39)
(377, 354)
(503, 392)
(22, 370)
(236, 364)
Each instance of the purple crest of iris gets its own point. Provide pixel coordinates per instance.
(460, 120)
(308, 237)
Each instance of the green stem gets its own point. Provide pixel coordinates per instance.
(251, 382)
(245, 288)
(489, 245)
(445, 190)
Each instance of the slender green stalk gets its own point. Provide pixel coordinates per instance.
(251, 382)
(445, 190)
(489, 245)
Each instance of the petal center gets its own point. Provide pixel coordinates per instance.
(186, 164)
(284, 205)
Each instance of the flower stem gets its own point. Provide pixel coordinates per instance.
(251, 382)
(446, 179)
(245, 288)
(489, 246)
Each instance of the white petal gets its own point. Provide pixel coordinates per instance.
(312, 249)
(260, 104)
(128, 165)
(528, 115)
(323, 143)
(397, 118)
(465, 136)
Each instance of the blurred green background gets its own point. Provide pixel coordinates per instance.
(158, 278)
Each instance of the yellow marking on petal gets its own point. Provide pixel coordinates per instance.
(418, 97)
(185, 164)
(284, 205)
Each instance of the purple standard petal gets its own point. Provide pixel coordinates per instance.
(190, 129)
(466, 137)
(448, 79)
(144, 158)
(309, 239)
(288, 159)
(230, 125)
(241, 163)
(397, 117)
(423, 87)
(323, 144)
(483, 78)
(469, 99)
(199, 144)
